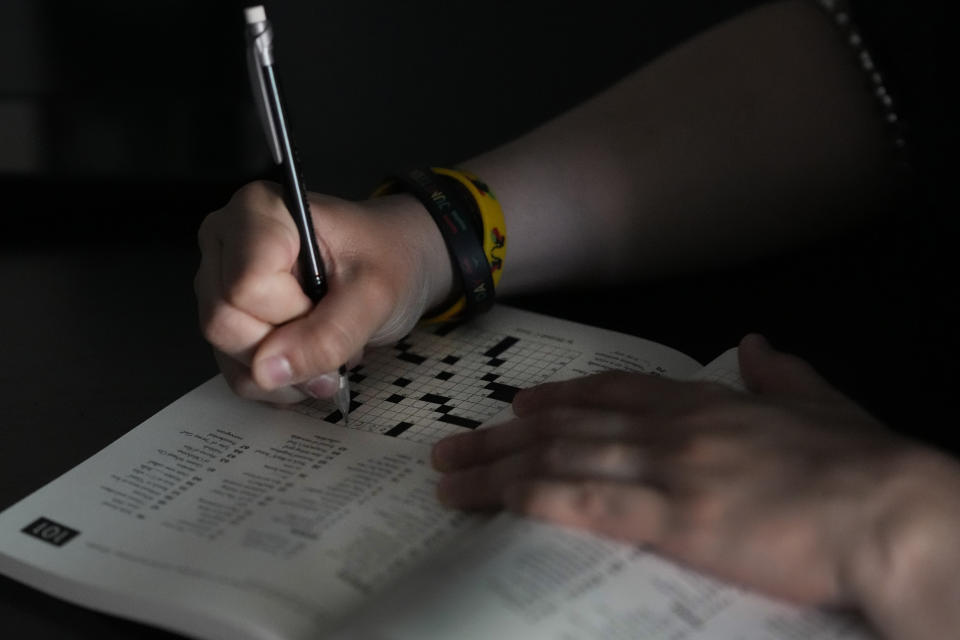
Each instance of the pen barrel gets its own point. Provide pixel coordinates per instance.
(312, 274)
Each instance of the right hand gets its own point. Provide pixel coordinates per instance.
(386, 266)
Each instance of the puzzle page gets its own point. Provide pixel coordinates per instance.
(448, 378)
(224, 518)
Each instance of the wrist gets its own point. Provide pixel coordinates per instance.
(433, 271)
(903, 576)
(471, 223)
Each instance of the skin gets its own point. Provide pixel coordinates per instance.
(264, 329)
(635, 183)
(746, 140)
(789, 488)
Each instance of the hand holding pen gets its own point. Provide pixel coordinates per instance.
(273, 116)
(383, 262)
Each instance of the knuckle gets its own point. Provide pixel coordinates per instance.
(699, 451)
(245, 291)
(209, 231)
(524, 497)
(204, 230)
(218, 326)
(615, 456)
(702, 516)
(592, 502)
(258, 198)
(552, 457)
(544, 424)
(255, 194)
(552, 419)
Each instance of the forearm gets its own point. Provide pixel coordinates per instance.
(753, 136)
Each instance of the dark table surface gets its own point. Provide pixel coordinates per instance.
(94, 341)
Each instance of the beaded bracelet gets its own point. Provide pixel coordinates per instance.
(839, 13)
(460, 220)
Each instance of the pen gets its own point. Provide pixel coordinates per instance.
(273, 116)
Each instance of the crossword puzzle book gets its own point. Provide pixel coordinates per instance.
(223, 518)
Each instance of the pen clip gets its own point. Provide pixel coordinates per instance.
(259, 55)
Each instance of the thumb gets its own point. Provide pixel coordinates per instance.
(767, 371)
(318, 343)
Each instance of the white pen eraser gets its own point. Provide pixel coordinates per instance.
(255, 14)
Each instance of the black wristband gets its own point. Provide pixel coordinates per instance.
(457, 222)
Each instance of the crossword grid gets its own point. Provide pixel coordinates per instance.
(437, 382)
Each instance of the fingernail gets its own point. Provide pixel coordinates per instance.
(277, 371)
(324, 386)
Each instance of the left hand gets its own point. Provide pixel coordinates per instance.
(785, 488)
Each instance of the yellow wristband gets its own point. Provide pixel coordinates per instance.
(493, 237)
(494, 233)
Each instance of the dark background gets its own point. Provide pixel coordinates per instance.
(105, 96)
(123, 124)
